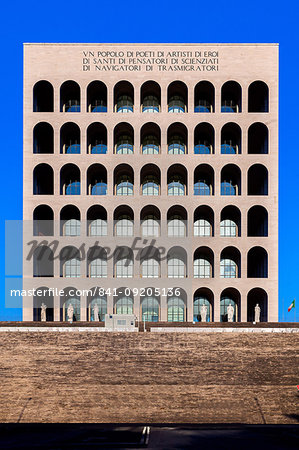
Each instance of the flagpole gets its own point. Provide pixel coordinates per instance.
(294, 310)
(283, 310)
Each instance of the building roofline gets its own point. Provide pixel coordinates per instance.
(156, 43)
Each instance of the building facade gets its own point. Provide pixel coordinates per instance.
(170, 148)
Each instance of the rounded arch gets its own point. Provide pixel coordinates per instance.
(42, 298)
(96, 221)
(177, 306)
(177, 97)
(177, 180)
(123, 139)
(177, 262)
(257, 263)
(203, 263)
(257, 297)
(258, 97)
(258, 139)
(70, 305)
(204, 180)
(123, 262)
(96, 266)
(96, 97)
(70, 262)
(150, 306)
(150, 218)
(43, 96)
(149, 262)
(204, 97)
(70, 218)
(124, 301)
(177, 139)
(257, 180)
(150, 180)
(70, 138)
(43, 221)
(123, 97)
(96, 139)
(70, 95)
(43, 180)
(70, 180)
(43, 138)
(230, 297)
(123, 218)
(43, 261)
(203, 305)
(230, 180)
(96, 304)
(150, 97)
(257, 221)
(123, 180)
(231, 139)
(230, 263)
(203, 221)
(177, 221)
(204, 139)
(230, 221)
(150, 139)
(231, 97)
(96, 180)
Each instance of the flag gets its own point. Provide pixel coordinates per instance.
(292, 305)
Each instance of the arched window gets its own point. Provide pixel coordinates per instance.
(257, 263)
(123, 263)
(150, 186)
(203, 180)
(150, 309)
(258, 139)
(230, 296)
(230, 225)
(96, 97)
(175, 309)
(231, 97)
(230, 265)
(124, 305)
(150, 226)
(203, 221)
(177, 139)
(98, 268)
(176, 221)
(70, 138)
(96, 139)
(177, 95)
(43, 262)
(123, 221)
(203, 263)
(43, 97)
(43, 221)
(150, 97)
(43, 180)
(70, 224)
(257, 221)
(70, 180)
(257, 180)
(100, 302)
(150, 145)
(43, 138)
(124, 97)
(231, 139)
(150, 268)
(204, 97)
(204, 136)
(70, 262)
(258, 97)
(97, 221)
(43, 295)
(124, 145)
(70, 97)
(176, 263)
(75, 303)
(203, 298)
(257, 296)
(97, 180)
(124, 180)
(230, 180)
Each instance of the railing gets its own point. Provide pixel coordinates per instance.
(176, 149)
(71, 106)
(229, 149)
(202, 149)
(98, 149)
(150, 149)
(229, 106)
(227, 188)
(201, 188)
(98, 189)
(72, 188)
(203, 107)
(71, 148)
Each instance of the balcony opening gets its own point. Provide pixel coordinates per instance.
(203, 263)
(43, 221)
(230, 263)
(97, 221)
(204, 97)
(96, 139)
(97, 97)
(231, 139)
(203, 305)
(177, 221)
(97, 180)
(257, 263)
(230, 180)
(177, 97)
(150, 218)
(203, 180)
(43, 138)
(257, 180)
(258, 139)
(257, 221)
(123, 180)
(230, 225)
(70, 180)
(177, 180)
(123, 139)
(177, 139)
(123, 218)
(257, 296)
(231, 97)
(124, 97)
(43, 97)
(70, 221)
(230, 305)
(43, 180)
(150, 97)
(203, 221)
(150, 179)
(204, 138)
(258, 97)
(150, 138)
(70, 97)
(70, 138)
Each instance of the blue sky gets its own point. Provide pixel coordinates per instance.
(155, 21)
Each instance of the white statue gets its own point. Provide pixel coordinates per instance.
(43, 315)
(257, 313)
(203, 313)
(230, 313)
(96, 313)
(70, 313)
